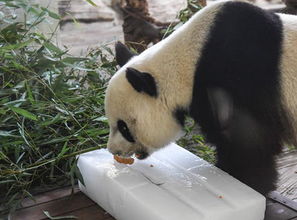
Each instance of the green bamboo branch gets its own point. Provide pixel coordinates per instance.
(45, 162)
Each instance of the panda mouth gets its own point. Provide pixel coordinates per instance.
(141, 155)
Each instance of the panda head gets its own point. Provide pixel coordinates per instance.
(139, 119)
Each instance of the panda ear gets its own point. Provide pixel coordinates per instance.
(141, 81)
(123, 54)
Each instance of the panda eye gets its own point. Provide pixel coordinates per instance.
(123, 128)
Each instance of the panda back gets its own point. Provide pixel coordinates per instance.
(242, 57)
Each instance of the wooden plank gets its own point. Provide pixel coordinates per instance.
(277, 211)
(93, 212)
(287, 159)
(279, 207)
(49, 196)
(277, 197)
(287, 169)
(55, 208)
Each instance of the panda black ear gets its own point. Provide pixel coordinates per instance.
(123, 54)
(141, 81)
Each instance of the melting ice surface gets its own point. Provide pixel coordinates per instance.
(113, 170)
(160, 171)
(171, 184)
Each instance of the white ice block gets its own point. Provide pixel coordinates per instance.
(172, 184)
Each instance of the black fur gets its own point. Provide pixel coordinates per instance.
(123, 128)
(180, 115)
(141, 154)
(241, 58)
(142, 82)
(123, 54)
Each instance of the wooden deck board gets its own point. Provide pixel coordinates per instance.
(50, 196)
(279, 207)
(287, 168)
(93, 212)
(277, 211)
(76, 204)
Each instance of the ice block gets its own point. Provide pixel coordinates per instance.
(172, 184)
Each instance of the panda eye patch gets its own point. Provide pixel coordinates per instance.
(123, 128)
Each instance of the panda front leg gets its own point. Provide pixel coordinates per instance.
(246, 147)
(245, 152)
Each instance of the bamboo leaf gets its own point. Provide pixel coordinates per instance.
(64, 150)
(91, 2)
(96, 132)
(18, 45)
(53, 121)
(56, 140)
(7, 134)
(78, 173)
(59, 217)
(51, 13)
(6, 181)
(72, 60)
(51, 47)
(29, 92)
(24, 113)
(101, 119)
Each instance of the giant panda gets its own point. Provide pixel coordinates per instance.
(232, 68)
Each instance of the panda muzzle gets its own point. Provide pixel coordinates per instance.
(141, 155)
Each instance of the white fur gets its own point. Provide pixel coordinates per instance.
(172, 63)
(289, 68)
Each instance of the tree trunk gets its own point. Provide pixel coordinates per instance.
(140, 29)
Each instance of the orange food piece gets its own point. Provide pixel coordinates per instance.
(123, 160)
